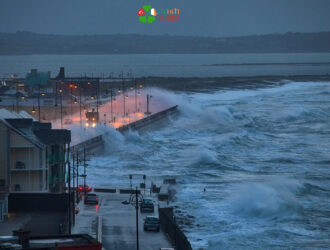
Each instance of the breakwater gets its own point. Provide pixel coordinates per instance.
(95, 145)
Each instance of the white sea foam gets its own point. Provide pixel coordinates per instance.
(260, 153)
(273, 197)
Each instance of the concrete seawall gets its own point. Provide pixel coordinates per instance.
(148, 120)
(95, 145)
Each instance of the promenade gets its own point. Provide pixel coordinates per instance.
(118, 224)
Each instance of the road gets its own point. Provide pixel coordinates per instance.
(119, 224)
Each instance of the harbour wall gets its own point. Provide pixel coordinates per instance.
(95, 145)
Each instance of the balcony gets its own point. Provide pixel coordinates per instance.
(56, 158)
(21, 166)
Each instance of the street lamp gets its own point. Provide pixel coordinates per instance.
(60, 90)
(72, 86)
(75, 101)
(134, 200)
(33, 110)
(148, 100)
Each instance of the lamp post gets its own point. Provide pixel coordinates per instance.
(80, 106)
(134, 200)
(71, 87)
(60, 90)
(39, 102)
(77, 176)
(97, 96)
(55, 116)
(135, 95)
(111, 94)
(123, 87)
(137, 218)
(148, 100)
(69, 188)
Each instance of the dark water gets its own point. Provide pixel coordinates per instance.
(262, 155)
(198, 65)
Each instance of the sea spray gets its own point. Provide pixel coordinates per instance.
(273, 197)
(263, 165)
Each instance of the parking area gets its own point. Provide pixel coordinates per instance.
(119, 224)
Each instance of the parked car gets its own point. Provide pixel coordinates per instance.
(91, 199)
(151, 223)
(147, 205)
(67, 121)
(87, 188)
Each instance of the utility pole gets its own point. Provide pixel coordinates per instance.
(55, 117)
(61, 107)
(97, 98)
(123, 86)
(148, 100)
(73, 185)
(71, 99)
(77, 176)
(80, 108)
(39, 101)
(137, 218)
(135, 95)
(84, 175)
(69, 188)
(111, 105)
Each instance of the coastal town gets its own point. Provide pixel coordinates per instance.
(50, 129)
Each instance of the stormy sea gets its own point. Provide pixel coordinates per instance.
(252, 165)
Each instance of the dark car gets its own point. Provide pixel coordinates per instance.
(68, 121)
(91, 199)
(147, 205)
(151, 223)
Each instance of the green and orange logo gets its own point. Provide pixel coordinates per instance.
(147, 14)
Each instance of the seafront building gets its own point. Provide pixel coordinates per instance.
(32, 157)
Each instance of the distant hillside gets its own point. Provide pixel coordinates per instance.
(30, 43)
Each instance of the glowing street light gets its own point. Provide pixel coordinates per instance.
(33, 110)
(75, 101)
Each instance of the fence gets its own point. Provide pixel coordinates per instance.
(171, 228)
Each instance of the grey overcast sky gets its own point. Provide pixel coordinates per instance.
(197, 17)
